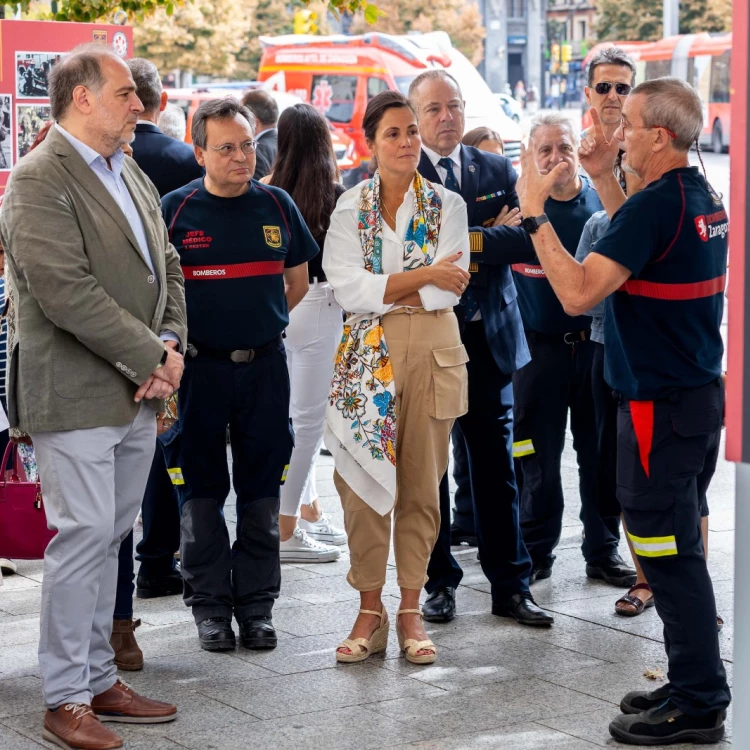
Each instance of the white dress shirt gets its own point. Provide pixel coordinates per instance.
(454, 156)
(359, 292)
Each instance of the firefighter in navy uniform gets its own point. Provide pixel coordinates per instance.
(240, 244)
(661, 266)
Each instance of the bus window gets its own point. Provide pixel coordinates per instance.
(720, 78)
(333, 96)
(658, 69)
(375, 86)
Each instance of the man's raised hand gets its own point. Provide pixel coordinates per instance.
(598, 156)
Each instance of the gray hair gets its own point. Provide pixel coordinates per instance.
(148, 86)
(263, 106)
(172, 122)
(82, 67)
(673, 104)
(611, 56)
(554, 119)
(217, 109)
(435, 74)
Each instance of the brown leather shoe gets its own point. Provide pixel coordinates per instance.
(128, 655)
(121, 703)
(75, 727)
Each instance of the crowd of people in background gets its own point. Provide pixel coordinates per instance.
(168, 299)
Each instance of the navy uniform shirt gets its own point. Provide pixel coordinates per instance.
(662, 327)
(540, 309)
(233, 253)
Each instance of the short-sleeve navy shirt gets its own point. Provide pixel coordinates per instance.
(662, 327)
(233, 253)
(541, 311)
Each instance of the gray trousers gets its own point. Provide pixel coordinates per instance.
(93, 482)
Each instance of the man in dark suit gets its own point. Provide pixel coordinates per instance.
(266, 112)
(169, 164)
(492, 333)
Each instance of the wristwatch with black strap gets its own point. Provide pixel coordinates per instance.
(532, 223)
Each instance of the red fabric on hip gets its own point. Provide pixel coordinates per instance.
(642, 414)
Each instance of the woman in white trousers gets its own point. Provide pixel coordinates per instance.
(306, 168)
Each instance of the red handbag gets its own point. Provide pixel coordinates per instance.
(23, 523)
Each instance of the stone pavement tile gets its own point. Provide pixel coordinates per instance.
(21, 602)
(18, 582)
(338, 687)
(18, 629)
(337, 568)
(12, 740)
(515, 737)
(720, 541)
(198, 712)
(334, 729)
(328, 589)
(488, 706)
(166, 640)
(19, 695)
(493, 661)
(292, 573)
(720, 565)
(593, 726)
(19, 661)
(30, 569)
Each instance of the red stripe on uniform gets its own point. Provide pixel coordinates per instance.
(235, 271)
(679, 223)
(675, 292)
(642, 414)
(526, 270)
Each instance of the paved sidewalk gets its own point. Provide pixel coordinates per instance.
(496, 684)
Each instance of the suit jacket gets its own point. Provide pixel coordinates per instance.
(89, 311)
(169, 164)
(488, 182)
(265, 153)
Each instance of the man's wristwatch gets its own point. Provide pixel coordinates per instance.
(532, 223)
(163, 360)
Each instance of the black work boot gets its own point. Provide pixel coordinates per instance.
(665, 724)
(614, 570)
(638, 701)
(257, 632)
(216, 634)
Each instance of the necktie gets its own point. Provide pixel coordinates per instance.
(468, 300)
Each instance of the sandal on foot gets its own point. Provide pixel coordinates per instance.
(361, 648)
(634, 601)
(410, 647)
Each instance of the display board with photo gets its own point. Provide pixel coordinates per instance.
(6, 132)
(30, 118)
(32, 71)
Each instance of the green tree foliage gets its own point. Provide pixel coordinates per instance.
(641, 20)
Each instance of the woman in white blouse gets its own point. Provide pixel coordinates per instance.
(396, 256)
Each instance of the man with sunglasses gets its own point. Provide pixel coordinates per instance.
(241, 245)
(611, 78)
(661, 266)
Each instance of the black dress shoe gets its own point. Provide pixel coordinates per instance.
(460, 537)
(539, 573)
(613, 570)
(522, 608)
(258, 633)
(151, 588)
(665, 724)
(440, 605)
(216, 634)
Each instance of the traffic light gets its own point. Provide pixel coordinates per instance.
(554, 63)
(305, 22)
(567, 53)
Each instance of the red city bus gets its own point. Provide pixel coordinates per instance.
(703, 60)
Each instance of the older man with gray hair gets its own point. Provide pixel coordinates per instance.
(100, 315)
(662, 268)
(558, 378)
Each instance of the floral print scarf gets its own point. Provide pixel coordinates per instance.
(362, 403)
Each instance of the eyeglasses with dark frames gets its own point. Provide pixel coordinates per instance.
(230, 149)
(604, 87)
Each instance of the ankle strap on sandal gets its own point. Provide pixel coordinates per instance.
(380, 614)
(409, 612)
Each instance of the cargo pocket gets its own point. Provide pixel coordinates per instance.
(695, 433)
(450, 383)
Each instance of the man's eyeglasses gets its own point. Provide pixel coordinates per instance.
(230, 149)
(604, 87)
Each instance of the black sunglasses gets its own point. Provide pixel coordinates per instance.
(604, 87)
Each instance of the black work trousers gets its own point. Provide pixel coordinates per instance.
(666, 455)
(252, 399)
(557, 380)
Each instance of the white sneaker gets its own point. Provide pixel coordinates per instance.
(324, 531)
(8, 567)
(300, 548)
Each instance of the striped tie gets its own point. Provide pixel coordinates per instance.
(469, 300)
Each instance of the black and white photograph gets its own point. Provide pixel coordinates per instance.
(30, 119)
(6, 130)
(32, 70)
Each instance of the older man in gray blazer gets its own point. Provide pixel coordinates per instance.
(100, 321)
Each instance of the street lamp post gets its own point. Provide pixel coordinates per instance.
(671, 17)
